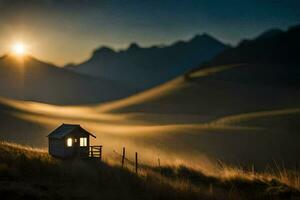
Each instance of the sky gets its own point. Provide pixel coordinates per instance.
(67, 31)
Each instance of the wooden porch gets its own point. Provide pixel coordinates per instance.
(95, 151)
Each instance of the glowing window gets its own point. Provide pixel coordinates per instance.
(69, 142)
(83, 142)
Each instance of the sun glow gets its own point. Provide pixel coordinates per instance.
(19, 49)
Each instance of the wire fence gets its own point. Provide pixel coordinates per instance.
(120, 156)
(135, 164)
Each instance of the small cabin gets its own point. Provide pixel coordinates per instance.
(70, 140)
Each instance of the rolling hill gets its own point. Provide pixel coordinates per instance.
(30, 79)
(146, 67)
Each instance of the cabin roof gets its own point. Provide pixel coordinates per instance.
(65, 129)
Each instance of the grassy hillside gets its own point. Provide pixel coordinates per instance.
(32, 174)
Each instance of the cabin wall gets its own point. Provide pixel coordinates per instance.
(56, 147)
(68, 151)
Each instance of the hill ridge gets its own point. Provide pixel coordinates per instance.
(27, 78)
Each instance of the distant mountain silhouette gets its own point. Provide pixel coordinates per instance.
(271, 58)
(31, 79)
(146, 67)
(281, 48)
(269, 34)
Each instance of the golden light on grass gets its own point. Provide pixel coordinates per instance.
(19, 49)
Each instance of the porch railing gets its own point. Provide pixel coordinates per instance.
(95, 151)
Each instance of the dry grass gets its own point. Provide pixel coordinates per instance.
(236, 183)
(289, 178)
(26, 172)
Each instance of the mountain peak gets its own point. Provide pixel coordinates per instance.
(134, 46)
(104, 50)
(203, 37)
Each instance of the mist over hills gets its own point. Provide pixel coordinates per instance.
(30, 79)
(145, 67)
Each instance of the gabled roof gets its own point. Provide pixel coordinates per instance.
(65, 129)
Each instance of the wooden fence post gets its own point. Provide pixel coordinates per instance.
(123, 157)
(158, 160)
(136, 162)
(100, 152)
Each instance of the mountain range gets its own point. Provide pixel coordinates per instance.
(146, 67)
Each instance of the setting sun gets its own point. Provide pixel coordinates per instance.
(19, 49)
